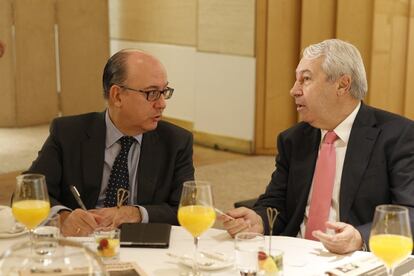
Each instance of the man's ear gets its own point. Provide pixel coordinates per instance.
(344, 85)
(114, 95)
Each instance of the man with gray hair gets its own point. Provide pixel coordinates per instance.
(344, 158)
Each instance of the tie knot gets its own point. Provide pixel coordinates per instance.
(330, 137)
(126, 142)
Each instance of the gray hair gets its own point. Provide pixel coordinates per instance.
(341, 58)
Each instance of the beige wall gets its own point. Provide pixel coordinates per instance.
(155, 21)
(208, 49)
(45, 45)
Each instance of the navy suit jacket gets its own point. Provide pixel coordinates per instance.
(378, 169)
(73, 154)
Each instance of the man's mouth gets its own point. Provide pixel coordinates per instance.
(299, 107)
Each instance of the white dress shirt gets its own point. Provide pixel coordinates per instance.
(343, 130)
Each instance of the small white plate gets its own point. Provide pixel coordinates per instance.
(204, 262)
(19, 230)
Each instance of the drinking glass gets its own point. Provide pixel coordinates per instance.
(30, 204)
(248, 247)
(391, 240)
(196, 213)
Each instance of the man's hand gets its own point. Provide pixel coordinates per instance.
(345, 240)
(244, 220)
(114, 216)
(78, 222)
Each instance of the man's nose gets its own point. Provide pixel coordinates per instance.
(161, 103)
(296, 90)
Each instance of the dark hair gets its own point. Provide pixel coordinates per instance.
(114, 71)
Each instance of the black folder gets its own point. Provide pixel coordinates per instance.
(155, 235)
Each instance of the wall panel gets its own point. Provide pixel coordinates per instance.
(409, 75)
(84, 49)
(355, 15)
(163, 21)
(224, 95)
(283, 43)
(226, 26)
(318, 21)
(389, 49)
(36, 98)
(8, 101)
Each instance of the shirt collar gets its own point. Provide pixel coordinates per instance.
(113, 134)
(343, 130)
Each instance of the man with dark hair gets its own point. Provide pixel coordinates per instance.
(127, 164)
(342, 161)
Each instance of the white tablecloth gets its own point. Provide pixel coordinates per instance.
(301, 257)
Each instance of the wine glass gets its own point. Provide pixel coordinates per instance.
(30, 204)
(390, 238)
(196, 213)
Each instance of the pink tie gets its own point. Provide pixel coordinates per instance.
(323, 181)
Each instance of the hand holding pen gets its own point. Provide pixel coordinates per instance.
(76, 195)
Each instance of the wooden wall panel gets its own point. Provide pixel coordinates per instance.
(7, 103)
(409, 76)
(226, 26)
(389, 48)
(354, 24)
(164, 21)
(283, 43)
(318, 21)
(36, 98)
(84, 49)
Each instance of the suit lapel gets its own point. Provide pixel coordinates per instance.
(148, 168)
(305, 161)
(361, 142)
(93, 152)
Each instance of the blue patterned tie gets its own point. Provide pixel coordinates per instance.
(119, 178)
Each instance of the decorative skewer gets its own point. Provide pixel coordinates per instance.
(271, 218)
(121, 197)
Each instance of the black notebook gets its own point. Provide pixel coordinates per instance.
(145, 235)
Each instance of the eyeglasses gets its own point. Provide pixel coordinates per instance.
(152, 95)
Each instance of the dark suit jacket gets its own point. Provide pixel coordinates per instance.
(73, 154)
(378, 169)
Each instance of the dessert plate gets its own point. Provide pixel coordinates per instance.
(18, 230)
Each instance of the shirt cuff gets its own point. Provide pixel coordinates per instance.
(144, 214)
(57, 208)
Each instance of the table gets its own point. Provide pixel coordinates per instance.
(301, 257)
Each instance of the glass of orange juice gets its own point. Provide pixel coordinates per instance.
(30, 204)
(391, 239)
(196, 213)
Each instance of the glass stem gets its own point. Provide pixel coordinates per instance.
(390, 270)
(31, 236)
(195, 262)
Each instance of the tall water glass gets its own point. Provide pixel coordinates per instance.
(391, 239)
(196, 213)
(30, 203)
(248, 245)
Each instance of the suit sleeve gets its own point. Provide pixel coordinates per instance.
(275, 194)
(49, 163)
(401, 176)
(183, 171)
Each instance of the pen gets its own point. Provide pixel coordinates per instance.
(77, 196)
(222, 213)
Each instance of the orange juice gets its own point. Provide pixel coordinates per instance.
(31, 212)
(196, 218)
(391, 249)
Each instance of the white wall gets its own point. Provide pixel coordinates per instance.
(214, 91)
